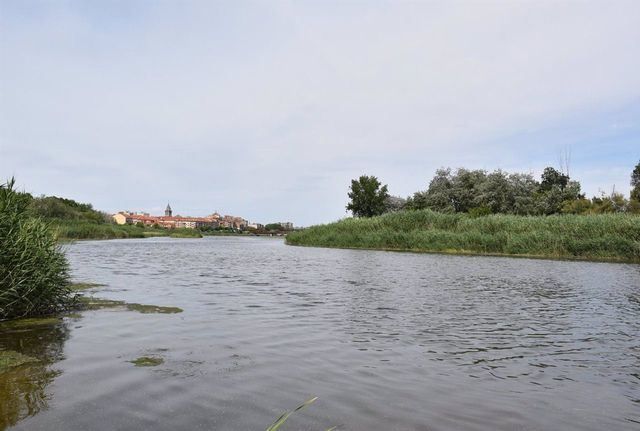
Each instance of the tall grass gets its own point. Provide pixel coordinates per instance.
(607, 237)
(34, 274)
(70, 230)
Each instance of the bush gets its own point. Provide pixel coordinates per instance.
(34, 274)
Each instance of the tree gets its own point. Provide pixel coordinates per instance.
(394, 204)
(495, 193)
(440, 195)
(635, 183)
(465, 186)
(368, 199)
(553, 178)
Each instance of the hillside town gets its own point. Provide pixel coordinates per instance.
(169, 221)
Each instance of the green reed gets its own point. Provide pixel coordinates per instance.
(607, 237)
(34, 274)
(71, 229)
(283, 417)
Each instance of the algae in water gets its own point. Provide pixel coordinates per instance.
(147, 361)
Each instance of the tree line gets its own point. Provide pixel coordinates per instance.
(479, 192)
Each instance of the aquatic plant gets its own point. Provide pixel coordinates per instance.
(92, 303)
(34, 274)
(28, 350)
(283, 417)
(607, 237)
(10, 359)
(147, 361)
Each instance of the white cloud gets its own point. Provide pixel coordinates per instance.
(282, 103)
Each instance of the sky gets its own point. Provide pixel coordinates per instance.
(268, 109)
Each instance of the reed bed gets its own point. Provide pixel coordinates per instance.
(34, 274)
(73, 230)
(602, 237)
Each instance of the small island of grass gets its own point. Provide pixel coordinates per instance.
(605, 237)
(475, 212)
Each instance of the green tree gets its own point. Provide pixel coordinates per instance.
(394, 204)
(635, 183)
(523, 189)
(553, 178)
(440, 194)
(465, 187)
(495, 193)
(368, 197)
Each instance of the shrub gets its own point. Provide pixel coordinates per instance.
(34, 273)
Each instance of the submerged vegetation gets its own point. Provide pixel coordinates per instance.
(607, 237)
(10, 359)
(34, 274)
(28, 349)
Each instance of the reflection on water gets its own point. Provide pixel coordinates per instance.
(385, 340)
(23, 389)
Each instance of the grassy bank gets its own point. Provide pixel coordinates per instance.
(606, 237)
(71, 229)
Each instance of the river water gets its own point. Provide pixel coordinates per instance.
(387, 341)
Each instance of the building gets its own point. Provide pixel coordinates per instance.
(168, 221)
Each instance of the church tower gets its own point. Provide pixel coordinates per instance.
(167, 211)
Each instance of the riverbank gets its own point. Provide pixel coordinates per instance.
(604, 237)
(73, 230)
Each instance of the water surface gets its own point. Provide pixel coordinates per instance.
(387, 341)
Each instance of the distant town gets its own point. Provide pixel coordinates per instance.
(210, 222)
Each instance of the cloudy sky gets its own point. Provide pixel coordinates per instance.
(268, 109)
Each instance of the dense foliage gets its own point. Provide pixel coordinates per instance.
(53, 207)
(34, 277)
(635, 183)
(69, 220)
(614, 237)
(497, 192)
(368, 197)
(479, 192)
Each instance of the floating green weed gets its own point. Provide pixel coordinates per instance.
(30, 322)
(147, 361)
(91, 303)
(149, 309)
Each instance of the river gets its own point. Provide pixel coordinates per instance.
(387, 341)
